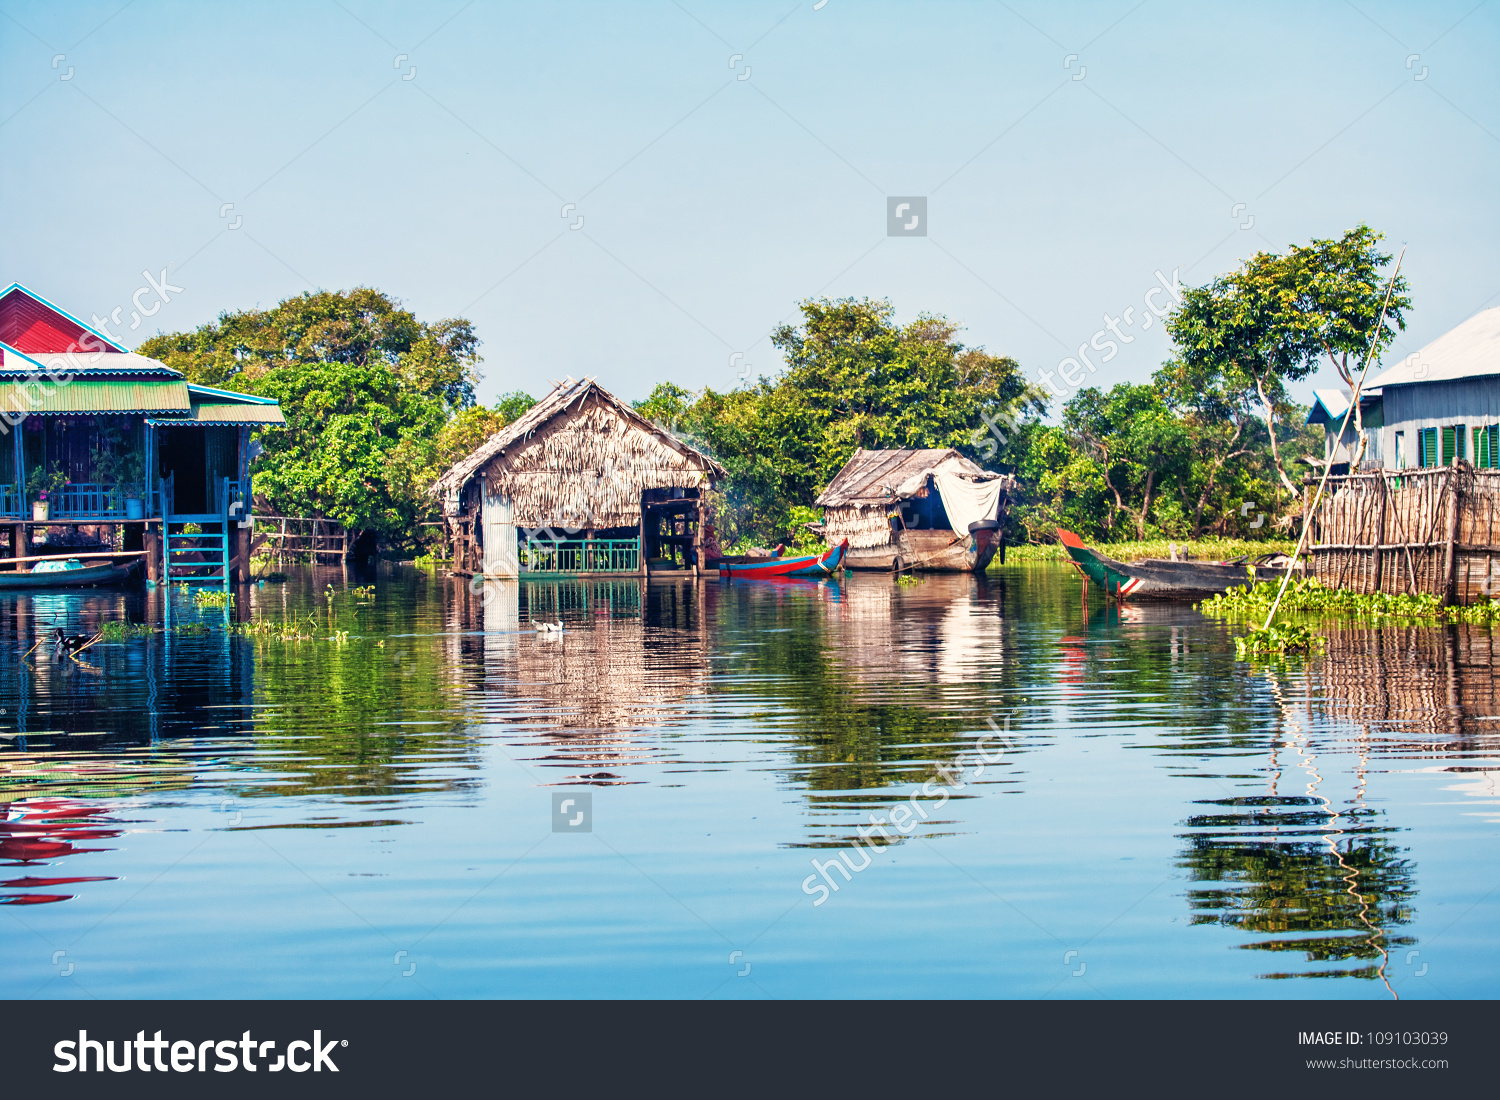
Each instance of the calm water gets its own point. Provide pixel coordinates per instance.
(213, 815)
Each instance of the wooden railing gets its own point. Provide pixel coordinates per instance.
(293, 538)
(585, 556)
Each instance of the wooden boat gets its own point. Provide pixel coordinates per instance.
(812, 565)
(1158, 578)
(106, 573)
(939, 551)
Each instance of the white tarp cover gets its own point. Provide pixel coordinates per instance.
(968, 501)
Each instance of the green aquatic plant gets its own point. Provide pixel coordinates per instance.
(1280, 639)
(209, 597)
(1309, 596)
(117, 631)
(286, 630)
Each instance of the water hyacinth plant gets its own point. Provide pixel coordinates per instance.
(1280, 639)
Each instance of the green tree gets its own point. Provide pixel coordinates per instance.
(368, 391)
(854, 378)
(1135, 440)
(1274, 320)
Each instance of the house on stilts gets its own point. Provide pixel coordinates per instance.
(582, 484)
(97, 440)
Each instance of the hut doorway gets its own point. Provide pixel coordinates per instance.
(185, 460)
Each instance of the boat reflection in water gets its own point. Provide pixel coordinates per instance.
(1310, 867)
(36, 833)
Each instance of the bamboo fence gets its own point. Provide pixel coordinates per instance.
(1434, 531)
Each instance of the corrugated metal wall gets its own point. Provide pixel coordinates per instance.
(1471, 402)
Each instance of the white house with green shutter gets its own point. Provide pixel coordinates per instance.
(1442, 402)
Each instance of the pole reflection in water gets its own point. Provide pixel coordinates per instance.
(1318, 871)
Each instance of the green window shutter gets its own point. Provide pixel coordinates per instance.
(1448, 446)
(1427, 447)
(1481, 448)
(1492, 435)
(1460, 441)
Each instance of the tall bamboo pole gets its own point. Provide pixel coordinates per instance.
(1328, 469)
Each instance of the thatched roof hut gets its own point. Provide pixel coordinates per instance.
(926, 508)
(581, 464)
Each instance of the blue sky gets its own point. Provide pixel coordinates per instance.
(727, 160)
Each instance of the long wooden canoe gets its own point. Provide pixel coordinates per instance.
(1158, 578)
(812, 565)
(67, 578)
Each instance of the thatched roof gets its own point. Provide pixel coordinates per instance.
(879, 477)
(563, 457)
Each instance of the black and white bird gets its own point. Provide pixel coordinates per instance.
(65, 644)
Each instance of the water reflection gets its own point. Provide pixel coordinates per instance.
(840, 698)
(37, 832)
(1319, 874)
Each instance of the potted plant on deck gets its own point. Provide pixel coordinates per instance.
(124, 473)
(39, 482)
(131, 475)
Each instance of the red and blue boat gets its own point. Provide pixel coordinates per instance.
(812, 565)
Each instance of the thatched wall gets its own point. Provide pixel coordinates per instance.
(1435, 531)
(863, 525)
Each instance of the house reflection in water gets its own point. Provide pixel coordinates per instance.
(946, 629)
(130, 692)
(1309, 866)
(623, 666)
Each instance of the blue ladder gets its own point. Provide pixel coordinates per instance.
(196, 558)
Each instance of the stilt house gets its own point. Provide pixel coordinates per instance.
(581, 484)
(95, 436)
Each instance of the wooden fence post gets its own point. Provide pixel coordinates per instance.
(1450, 537)
(1378, 569)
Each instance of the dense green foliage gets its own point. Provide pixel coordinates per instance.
(1208, 447)
(377, 402)
(854, 379)
(1246, 334)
